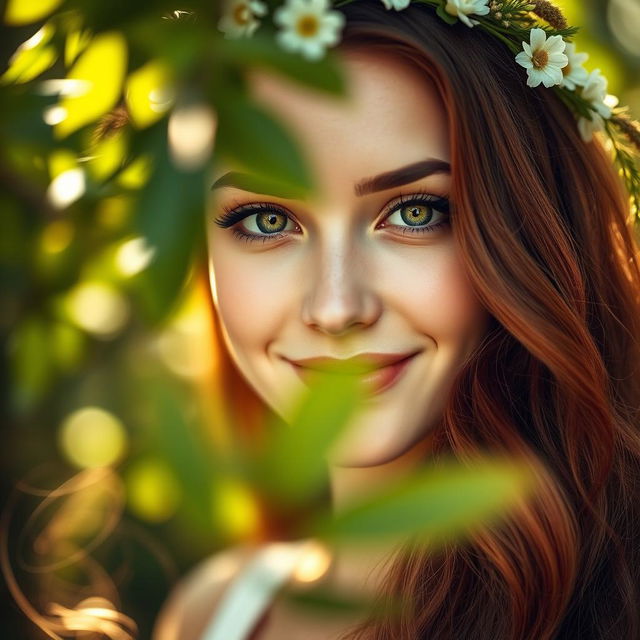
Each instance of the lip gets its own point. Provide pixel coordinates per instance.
(378, 371)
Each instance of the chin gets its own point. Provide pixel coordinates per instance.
(372, 452)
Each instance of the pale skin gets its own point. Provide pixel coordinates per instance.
(347, 274)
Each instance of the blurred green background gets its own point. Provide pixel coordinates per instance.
(109, 366)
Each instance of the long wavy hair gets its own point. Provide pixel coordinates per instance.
(543, 225)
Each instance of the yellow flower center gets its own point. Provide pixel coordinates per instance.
(308, 26)
(241, 14)
(540, 59)
(566, 70)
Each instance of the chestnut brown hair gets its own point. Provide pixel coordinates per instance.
(543, 225)
(542, 221)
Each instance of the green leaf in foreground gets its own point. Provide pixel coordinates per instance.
(250, 138)
(261, 184)
(295, 465)
(259, 52)
(99, 72)
(437, 503)
(169, 218)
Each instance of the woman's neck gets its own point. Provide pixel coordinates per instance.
(361, 567)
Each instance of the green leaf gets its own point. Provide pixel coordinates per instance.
(169, 217)
(182, 450)
(447, 17)
(99, 74)
(249, 136)
(327, 603)
(149, 93)
(260, 52)
(437, 503)
(294, 467)
(76, 42)
(20, 12)
(28, 64)
(32, 366)
(261, 184)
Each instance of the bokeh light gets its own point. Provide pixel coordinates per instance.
(54, 115)
(624, 22)
(191, 134)
(67, 345)
(313, 563)
(66, 188)
(149, 93)
(56, 236)
(133, 256)
(69, 87)
(235, 510)
(186, 346)
(92, 437)
(98, 308)
(152, 489)
(113, 212)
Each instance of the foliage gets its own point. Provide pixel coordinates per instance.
(101, 248)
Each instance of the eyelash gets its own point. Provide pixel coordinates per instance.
(233, 215)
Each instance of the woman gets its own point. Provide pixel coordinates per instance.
(490, 277)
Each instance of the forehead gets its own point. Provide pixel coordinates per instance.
(391, 117)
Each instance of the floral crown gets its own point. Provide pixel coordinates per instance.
(535, 31)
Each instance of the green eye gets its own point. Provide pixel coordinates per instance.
(416, 214)
(271, 222)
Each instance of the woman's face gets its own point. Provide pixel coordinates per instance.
(368, 269)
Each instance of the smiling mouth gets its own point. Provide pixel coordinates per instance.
(378, 372)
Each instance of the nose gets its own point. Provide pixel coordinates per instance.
(340, 295)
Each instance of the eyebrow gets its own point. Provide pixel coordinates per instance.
(388, 180)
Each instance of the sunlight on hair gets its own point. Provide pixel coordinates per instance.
(152, 490)
(95, 615)
(191, 133)
(92, 437)
(186, 346)
(65, 525)
(66, 188)
(98, 308)
(313, 563)
(133, 256)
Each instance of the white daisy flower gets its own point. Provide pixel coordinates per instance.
(239, 18)
(309, 26)
(398, 5)
(463, 8)
(574, 74)
(595, 93)
(543, 58)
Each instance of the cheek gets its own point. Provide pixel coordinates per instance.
(252, 300)
(435, 294)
